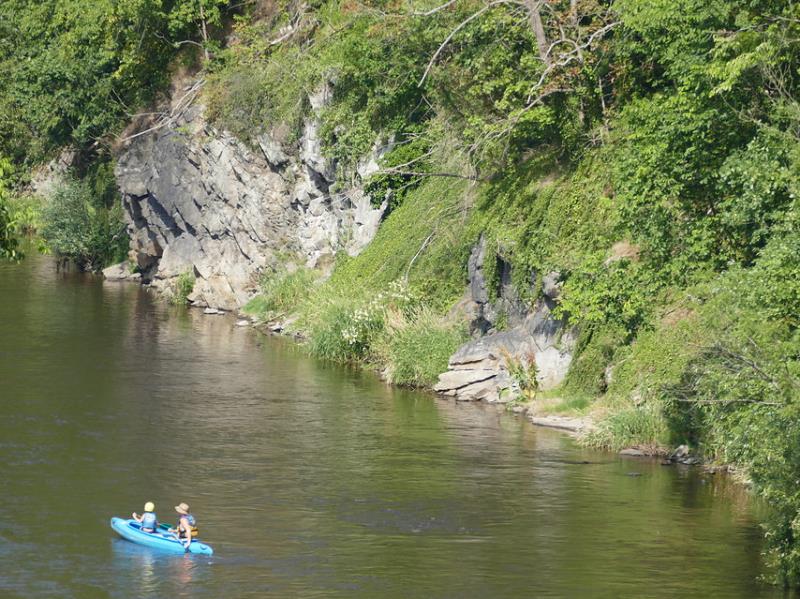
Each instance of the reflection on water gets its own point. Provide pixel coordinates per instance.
(310, 480)
(153, 573)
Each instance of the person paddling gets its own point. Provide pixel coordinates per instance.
(186, 528)
(148, 519)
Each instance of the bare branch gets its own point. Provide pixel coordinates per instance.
(433, 11)
(460, 26)
(426, 174)
(177, 109)
(419, 251)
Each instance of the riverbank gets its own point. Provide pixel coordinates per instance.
(539, 412)
(579, 417)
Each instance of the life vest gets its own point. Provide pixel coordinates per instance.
(192, 525)
(149, 521)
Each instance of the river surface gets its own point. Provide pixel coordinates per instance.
(312, 480)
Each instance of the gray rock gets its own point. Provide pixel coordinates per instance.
(551, 285)
(574, 425)
(681, 452)
(204, 203)
(371, 164)
(212, 311)
(272, 150)
(117, 272)
(456, 379)
(633, 452)
(477, 290)
(540, 337)
(45, 179)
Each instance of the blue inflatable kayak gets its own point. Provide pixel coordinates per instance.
(161, 539)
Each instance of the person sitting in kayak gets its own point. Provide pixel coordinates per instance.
(186, 528)
(148, 519)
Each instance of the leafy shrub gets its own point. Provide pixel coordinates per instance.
(26, 212)
(74, 227)
(74, 71)
(523, 372)
(619, 294)
(8, 240)
(182, 287)
(392, 187)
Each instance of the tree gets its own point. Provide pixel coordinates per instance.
(187, 15)
(8, 241)
(554, 50)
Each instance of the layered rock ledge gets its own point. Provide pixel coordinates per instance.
(488, 367)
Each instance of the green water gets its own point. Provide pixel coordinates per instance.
(311, 480)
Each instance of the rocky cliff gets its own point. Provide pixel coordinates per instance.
(198, 200)
(536, 344)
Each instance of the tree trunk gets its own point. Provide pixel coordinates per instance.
(573, 12)
(535, 18)
(204, 30)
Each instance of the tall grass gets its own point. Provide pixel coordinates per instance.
(415, 348)
(282, 292)
(643, 426)
(345, 327)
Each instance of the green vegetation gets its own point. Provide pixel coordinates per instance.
(26, 211)
(74, 72)
(8, 240)
(630, 426)
(344, 328)
(183, 286)
(651, 157)
(390, 330)
(416, 346)
(523, 373)
(282, 292)
(648, 150)
(76, 225)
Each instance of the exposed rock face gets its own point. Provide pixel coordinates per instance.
(45, 179)
(480, 369)
(199, 200)
(508, 303)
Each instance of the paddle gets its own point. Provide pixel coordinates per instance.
(166, 529)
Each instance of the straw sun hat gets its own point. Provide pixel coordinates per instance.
(182, 508)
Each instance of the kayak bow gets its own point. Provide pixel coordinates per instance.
(167, 541)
